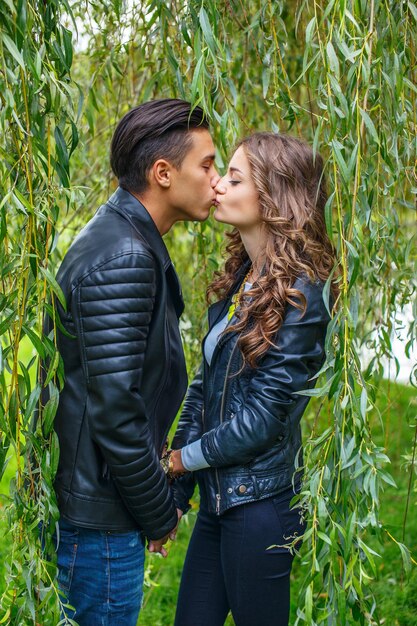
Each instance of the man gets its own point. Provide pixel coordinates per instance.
(125, 373)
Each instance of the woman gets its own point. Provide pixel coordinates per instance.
(240, 426)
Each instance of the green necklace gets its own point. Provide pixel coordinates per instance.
(235, 303)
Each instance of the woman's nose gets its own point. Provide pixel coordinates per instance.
(220, 187)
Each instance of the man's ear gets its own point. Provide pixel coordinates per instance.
(161, 172)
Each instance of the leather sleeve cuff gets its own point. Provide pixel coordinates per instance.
(164, 530)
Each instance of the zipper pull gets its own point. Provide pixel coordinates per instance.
(218, 498)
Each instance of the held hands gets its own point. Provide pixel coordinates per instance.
(172, 465)
(157, 545)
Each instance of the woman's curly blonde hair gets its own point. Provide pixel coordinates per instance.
(292, 196)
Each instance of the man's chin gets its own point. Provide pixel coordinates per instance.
(203, 215)
(218, 216)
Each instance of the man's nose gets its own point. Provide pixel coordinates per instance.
(215, 179)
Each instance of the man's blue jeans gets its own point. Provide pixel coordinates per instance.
(100, 575)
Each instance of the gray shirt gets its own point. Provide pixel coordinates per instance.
(192, 456)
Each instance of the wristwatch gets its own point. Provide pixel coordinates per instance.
(167, 464)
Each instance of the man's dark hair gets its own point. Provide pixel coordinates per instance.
(158, 129)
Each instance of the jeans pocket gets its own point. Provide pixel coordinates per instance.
(290, 519)
(66, 555)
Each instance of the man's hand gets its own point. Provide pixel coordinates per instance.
(173, 533)
(157, 545)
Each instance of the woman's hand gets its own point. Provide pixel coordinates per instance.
(177, 467)
(171, 463)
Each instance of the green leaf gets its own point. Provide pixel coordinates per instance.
(11, 6)
(370, 125)
(61, 146)
(332, 58)
(309, 603)
(50, 409)
(364, 402)
(266, 75)
(54, 286)
(197, 78)
(310, 30)
(387, 478)
(7, 322)
(67, 39)
(337, 153)
(354, 263)
(207, 31)
(11, 46)
(324, 537)
(341, 605)
(406, 557)
(33, 401)
(316, 392)
(54, 453)
(53, 366)
(413, 9)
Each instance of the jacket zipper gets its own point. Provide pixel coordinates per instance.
(218, 496)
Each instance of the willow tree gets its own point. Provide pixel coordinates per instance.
(340, 73)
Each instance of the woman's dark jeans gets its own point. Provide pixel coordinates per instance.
(229, 567)
(100, 574)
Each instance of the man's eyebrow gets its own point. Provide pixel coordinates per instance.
(235, 169)
(209, 157)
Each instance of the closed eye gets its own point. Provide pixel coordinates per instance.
(234, 182)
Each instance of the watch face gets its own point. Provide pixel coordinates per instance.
(165, 464)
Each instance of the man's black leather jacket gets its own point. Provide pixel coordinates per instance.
(249, 422)
(125, 374)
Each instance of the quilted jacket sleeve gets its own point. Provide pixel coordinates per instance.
(112, 309)
(189, 429)
(272, 404)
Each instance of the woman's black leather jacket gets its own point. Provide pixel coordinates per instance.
(249, 422)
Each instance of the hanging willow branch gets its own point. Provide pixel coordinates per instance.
(39, 132)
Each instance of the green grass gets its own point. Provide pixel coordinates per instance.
(396, 593)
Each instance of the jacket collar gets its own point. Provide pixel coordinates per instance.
(218, 309)
(124, 203)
